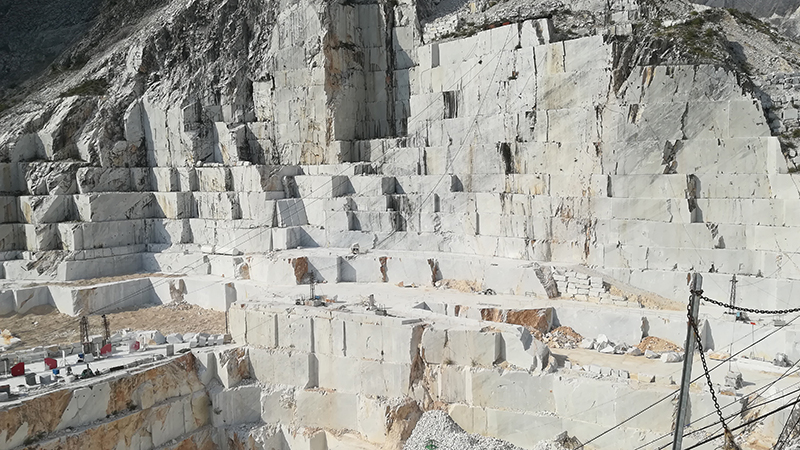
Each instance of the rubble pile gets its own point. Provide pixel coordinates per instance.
(437, 430)
(658, 345)
(562, 337)
(8, 341)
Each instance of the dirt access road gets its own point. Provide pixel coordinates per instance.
(56, 328)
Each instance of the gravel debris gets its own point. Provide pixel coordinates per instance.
(436, 430)
(548, 445)
(658, 345)
(563, 337)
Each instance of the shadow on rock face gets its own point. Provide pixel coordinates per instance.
(34, 33)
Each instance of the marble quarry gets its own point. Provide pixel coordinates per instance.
(454, 191)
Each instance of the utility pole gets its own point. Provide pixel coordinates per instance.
(732, 312)
(87, 345)
(106, 330)
(695, 286)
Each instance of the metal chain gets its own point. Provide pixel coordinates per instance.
(751, 310)
(706, 372)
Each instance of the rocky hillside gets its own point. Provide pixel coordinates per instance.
(96, 61)
(230, 127)
(758, 8)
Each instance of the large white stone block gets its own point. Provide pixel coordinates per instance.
(258, 206)
(86, 405)
(467, 347)
(331, 410)
(88, 235)
(320, 186)
(7, 303)
(236, 406)
(536, 32)
(513, 390)
(164, 179)
(372, 185)
(295, 331)
(286, 238)
(213, 179)
(522, 350)
(45, 209)
(375, 221)
(259, 178)
(41, 237)
(278, 367)
(383, 379)
(291, 212)
(104, 179)
(110, 206)
(453, 384)
(172, 205)
(433, 343)
(31, 299)
(276, 406)
(651, 186)
(508, 425)
(217, 205)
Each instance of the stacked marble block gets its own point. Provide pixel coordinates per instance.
(355, 372)
(673, 171)
(580, 286)
(345, 371)
(100, 214)
(112, 296)
(726, 224)
(337, 372)
(222, 209)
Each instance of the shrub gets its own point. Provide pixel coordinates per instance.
(94, 87)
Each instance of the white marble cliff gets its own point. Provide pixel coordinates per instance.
(504, 144)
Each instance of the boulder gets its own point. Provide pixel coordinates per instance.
(718, 356)
(152, 337)
(174, 338)
(671, 357)
(734, 380)
(781, 360)
(634, 351)
(649, 354)
(588, 344)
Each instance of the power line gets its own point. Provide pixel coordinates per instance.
(744, 410)
(694, 380)
(756, 392)
(750, 422)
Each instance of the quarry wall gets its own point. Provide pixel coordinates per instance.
(510, 146)
(147, 407)
(365, 147)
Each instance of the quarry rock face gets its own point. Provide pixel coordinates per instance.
(327, 125)
(138, 404)
(538, 149)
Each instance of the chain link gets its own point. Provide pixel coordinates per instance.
(706, 372)
(705, 365)
(750, 310)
